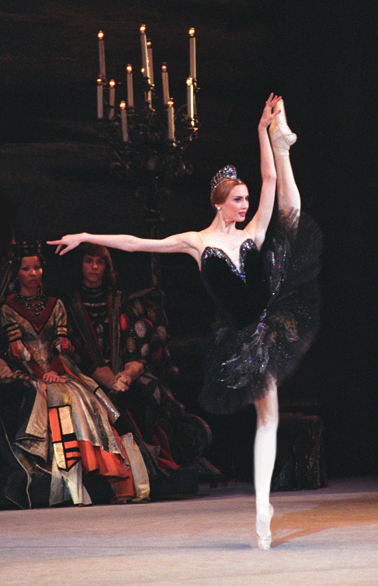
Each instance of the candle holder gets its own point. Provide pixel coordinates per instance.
(149, 140)
(153, 153)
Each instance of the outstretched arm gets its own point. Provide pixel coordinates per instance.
(260, 222)
(188, 242)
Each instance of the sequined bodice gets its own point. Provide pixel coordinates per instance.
(240, 293)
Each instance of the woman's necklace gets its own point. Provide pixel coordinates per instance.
(33, 303)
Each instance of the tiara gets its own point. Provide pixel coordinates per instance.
(228, 172)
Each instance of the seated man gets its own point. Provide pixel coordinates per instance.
(116, 347)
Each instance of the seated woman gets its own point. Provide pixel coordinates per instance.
(66, 412)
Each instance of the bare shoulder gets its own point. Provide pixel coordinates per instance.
(192, 244)
(184, 241)
(191, 238)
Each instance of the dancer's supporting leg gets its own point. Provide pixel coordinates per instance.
(264, 458)
(282, 138)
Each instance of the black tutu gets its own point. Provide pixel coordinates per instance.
(272, 304)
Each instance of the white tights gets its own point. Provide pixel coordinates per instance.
(288, 196)
(265, 444)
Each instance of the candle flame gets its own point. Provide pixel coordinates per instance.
(164, 67)
(142, 70)
(189, 81)
(149, 44)
(112, 83)
(99, 80)
(170, 102)
(143, 28)
(100, 35)
(122, 105)
(192, 32)
(129, 69)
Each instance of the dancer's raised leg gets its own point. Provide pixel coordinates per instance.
(281, 138)
(264, 458)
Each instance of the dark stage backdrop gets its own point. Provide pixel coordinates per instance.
(55, 172)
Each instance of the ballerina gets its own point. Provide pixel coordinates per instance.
(265, 285)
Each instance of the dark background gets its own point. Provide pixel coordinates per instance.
(55, 171)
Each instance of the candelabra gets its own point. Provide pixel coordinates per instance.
(148, 138)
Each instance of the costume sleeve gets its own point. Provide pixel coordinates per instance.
(61, 342)
(143, 332)
(104, 376)
(17, 350)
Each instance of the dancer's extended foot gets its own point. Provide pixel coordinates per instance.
(264, 514)
(281, 136)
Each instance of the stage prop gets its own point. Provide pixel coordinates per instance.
(149, 136)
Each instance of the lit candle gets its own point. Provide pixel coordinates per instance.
(150, 62)
(192, 55)
(130, 86)
(190, 100)
(101, 53)
(125, 132)
(100, 99)
(111, 98)
(143, 43)
(171, 121)
(164, 77)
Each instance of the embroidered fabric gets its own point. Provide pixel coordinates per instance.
(244, 248)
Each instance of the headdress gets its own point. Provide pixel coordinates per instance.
(228, 172)
(27, 248)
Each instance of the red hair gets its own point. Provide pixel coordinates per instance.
(223, 190)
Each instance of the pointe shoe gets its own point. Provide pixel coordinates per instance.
(264, 515)
(281, 136)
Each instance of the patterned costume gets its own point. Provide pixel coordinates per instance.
(108, 333)
(66, 413)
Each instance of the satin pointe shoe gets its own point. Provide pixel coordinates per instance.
(281, 136)
(264, 514)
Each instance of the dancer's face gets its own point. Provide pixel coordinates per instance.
(30, 275)
(93, 270)
(236, 205)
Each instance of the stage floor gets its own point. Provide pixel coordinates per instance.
(327, 536)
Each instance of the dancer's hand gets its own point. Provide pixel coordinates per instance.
(70, 241)
(268, 114)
